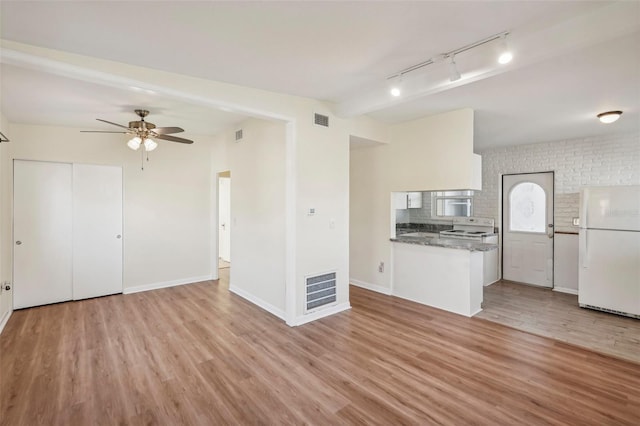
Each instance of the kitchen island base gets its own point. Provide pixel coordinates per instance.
(445, 278)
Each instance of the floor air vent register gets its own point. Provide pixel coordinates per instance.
(320, 291)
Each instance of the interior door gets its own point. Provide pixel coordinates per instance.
(97, 236)
(527, 241)
(224, 217)
(42, 229)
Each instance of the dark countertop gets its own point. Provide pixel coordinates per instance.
(453, 243)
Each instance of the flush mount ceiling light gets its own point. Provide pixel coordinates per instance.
(454, 74)
(609, 116)
(505, 54)
(504, 58)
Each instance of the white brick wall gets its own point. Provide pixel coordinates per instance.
(612, 160)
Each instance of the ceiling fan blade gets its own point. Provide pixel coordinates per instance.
(115, 124)
(173, 139)
(167, 130)
(101, 131)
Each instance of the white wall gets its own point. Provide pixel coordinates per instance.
(167, 213)
(602, 160)
(257, 223)
(433, 153)
(415, 159)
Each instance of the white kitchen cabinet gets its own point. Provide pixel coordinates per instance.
(407, 200)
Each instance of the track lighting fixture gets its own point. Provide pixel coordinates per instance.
(609, 116)
(505, 54)
(454, 74)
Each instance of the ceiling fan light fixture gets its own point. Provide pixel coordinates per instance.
(134, 143)
(609, 116)
(150, 144)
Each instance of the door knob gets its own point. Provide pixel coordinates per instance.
(18, 243)
(118, 236)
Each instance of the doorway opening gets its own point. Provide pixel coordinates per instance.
(224, 220)
(528, 228)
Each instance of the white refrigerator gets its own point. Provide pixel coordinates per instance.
(609, 256)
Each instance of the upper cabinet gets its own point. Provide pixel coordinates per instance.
(407, 200)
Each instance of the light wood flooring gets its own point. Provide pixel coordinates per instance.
(557, 315)
(200, 355)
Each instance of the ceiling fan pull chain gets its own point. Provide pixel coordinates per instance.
(142, 159)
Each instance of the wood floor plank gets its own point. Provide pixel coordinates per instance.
(200, 355)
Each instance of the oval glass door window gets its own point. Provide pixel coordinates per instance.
(527, 208)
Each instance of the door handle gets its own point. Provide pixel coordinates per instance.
(550, 234)
(18, 243)
(118, 236)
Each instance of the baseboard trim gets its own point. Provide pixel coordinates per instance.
(303, 319)
(566, 290)
(373, 287)
(5, 319)
(258, 302)
(165, 284)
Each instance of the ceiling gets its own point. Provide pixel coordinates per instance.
(572, 60)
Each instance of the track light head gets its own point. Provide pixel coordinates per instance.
(505, 54)
(454, 74)
(395, 88)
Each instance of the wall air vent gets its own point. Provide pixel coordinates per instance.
(321, 120)
(321, 291)
(238, 134)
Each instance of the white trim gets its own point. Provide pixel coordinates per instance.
(259, 302)
(290, 255)
(300, 320)
(476, 312)
(5, 319)
(165, 284)
(373, 287)
(566, 290)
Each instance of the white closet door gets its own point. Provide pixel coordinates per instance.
(97, 236)
(42, 229)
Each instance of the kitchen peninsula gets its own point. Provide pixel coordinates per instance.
(440, 272)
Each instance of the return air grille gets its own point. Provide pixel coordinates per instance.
(611, 311)
(321, 291)
(238, 134)
(321, 120)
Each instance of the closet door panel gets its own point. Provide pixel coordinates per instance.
(97, 237)
(42, 229)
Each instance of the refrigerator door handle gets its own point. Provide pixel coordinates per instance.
(585, 208)
(583, 248)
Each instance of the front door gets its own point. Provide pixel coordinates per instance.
(527, 241)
